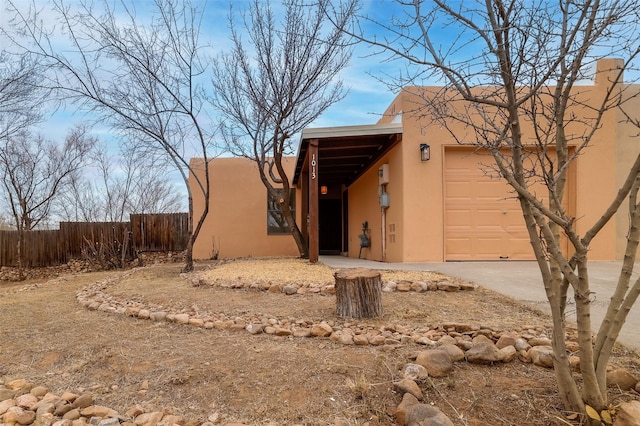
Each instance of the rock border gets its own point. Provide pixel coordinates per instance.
(23, 403)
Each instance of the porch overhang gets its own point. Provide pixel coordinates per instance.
(336, 156)
(345, 153)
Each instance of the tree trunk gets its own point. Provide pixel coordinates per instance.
(358, 293)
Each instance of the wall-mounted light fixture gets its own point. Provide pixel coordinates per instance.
(425, 152)
(324, 190)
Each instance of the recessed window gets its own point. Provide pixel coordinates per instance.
(276, 223)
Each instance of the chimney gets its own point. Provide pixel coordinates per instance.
(608, 71)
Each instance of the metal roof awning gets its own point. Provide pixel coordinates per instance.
(345, 153)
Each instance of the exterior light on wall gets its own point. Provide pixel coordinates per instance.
(324, 190)
(425, 152)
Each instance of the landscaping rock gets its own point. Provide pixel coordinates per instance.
(508, 354)
(289, 290)
(448, 286)
(622, 379)
(541, 355)
(522, 345)
(540, 341)
(321, 330)
(426, 415)
(506, 339)
(415, 372)
(628, 414)
(436, 361)
(483, 353)
(455, 353)
(408, 385)
(402, 410)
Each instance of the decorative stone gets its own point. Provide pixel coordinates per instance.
(572, 346)
(408, 385)
(6, 394)
(98, 411)
(72, 414)
(483, 353)
(419, 286)
(158, 316)
(39, 391)
(619, 378)
(28, 401)
(197, 322)
(427, 415)
(389, 287)
(182, 319)
(445, 340)
(26, 418)
(415, 372)
(360, 339)
(424, 340)
(574, 361)
(448, 286)
(377, 340)
(321, 330)
(281, 331)
(402, 411)
(302, 332)
(83, 401)
(508, 354)
(289, 290)
(521, 344)
(455, 353)
(113, 421)
(540, 341)
(541, 355)
(628, 414)
(149, 418)
(5, 405)
(481, 338)
(506, 339)
(436, 361)
(467, 286)
(403, 286)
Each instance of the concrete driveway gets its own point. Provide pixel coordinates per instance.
(521, 281)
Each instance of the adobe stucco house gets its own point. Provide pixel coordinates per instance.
(441, 209)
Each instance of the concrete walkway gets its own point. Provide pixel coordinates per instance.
(521, 281)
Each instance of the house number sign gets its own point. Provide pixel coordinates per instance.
(313, 166)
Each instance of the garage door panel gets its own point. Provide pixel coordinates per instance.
(460, 218)
(493, 228)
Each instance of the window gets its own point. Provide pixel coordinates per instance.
(276, 223)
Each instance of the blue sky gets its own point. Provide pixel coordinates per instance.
(366, 99)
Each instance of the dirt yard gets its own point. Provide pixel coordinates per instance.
(230, 376)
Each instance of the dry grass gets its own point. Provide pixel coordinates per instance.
(51, 340)
(294, 270)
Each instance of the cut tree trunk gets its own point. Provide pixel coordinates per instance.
(358, 293)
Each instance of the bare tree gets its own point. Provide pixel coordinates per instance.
(142, 79)
(268, 97)
(510, 72)
(115, 186)
(34, 171)
(20, 96)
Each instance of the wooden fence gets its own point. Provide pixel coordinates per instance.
(144, 232)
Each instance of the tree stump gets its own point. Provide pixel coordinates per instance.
(358, 293)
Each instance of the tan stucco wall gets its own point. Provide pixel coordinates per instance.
(415, 220)
(599, 172)
(364, 205)
(627, 149)
(237, 219)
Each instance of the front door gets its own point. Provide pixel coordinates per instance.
(330, 226)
